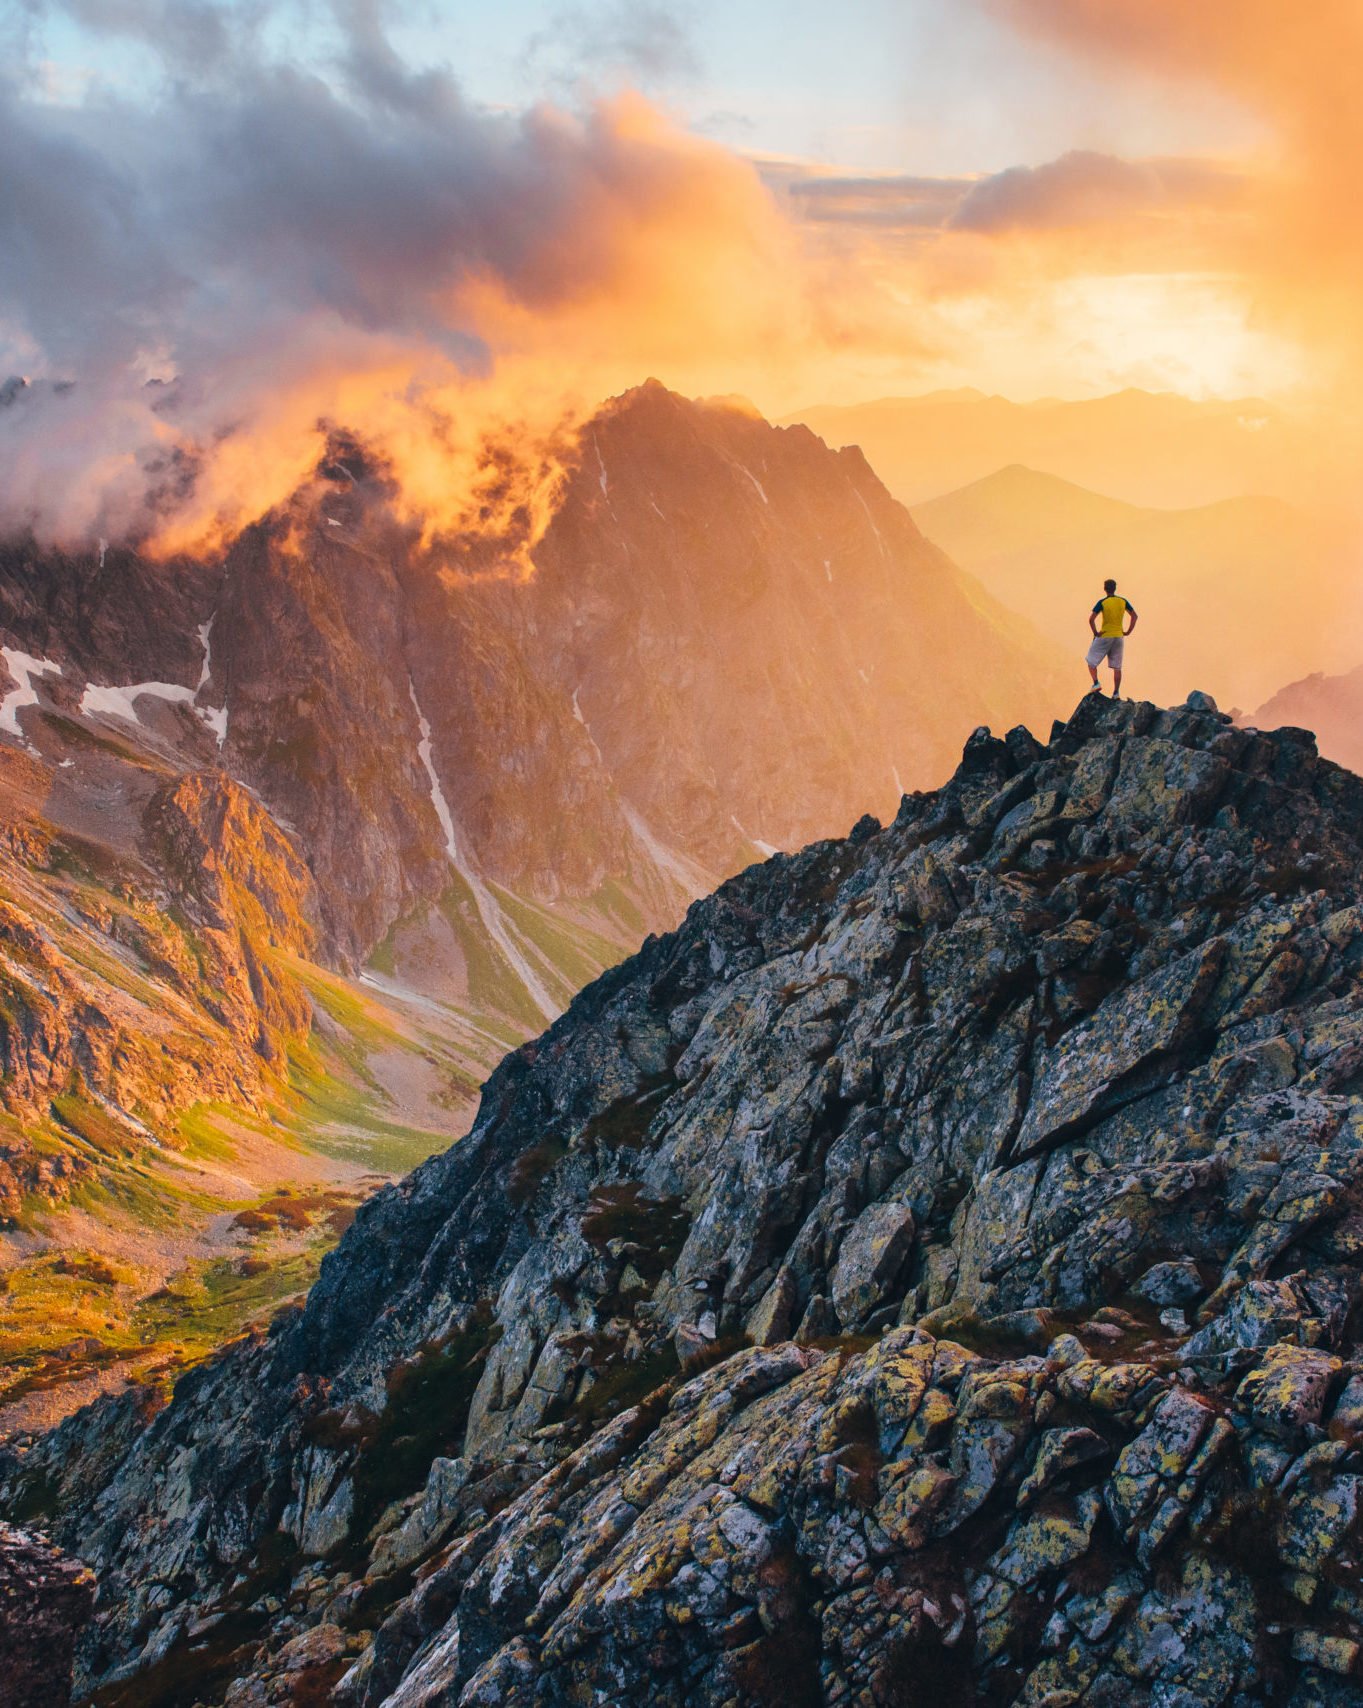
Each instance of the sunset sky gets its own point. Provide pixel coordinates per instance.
(346, 207)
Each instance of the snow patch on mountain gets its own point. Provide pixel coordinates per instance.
(766, 848)
(880, 538)
(23, 667)
(99, 700)
(215, 721)
(105, 700)
(577, 713)
(205, 632)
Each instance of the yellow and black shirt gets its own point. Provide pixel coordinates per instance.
(1113, 609)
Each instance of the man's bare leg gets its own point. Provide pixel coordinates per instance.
(1116, 683)
(1093, 676)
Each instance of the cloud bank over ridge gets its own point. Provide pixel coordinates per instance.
(199, 284)
(258, 241)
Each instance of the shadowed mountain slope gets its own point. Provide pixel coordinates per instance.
(1332, 706)
(935, 1260)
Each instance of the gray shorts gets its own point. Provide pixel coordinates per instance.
(1109, 647)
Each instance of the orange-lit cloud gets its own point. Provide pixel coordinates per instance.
(204, 285)
(1296, 69)
(208, 289)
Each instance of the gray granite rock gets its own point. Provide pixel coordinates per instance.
(900, 1146)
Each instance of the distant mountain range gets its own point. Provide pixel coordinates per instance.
(1234, 597)
(1150, 448)
(1331, 706)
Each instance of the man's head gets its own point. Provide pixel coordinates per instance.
(1109, 587)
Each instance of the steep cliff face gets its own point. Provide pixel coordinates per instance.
(936, 1260)
(129, 996)
(730, 637)
(753, 636)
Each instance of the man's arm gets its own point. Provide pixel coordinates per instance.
(1131, 612)
(1093, 619)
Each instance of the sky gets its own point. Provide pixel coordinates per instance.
(231, 225)
(878, 85)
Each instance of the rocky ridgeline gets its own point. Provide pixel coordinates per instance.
(931, 1269)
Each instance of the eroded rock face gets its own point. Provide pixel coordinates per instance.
(999, 1174)
(130, 991)
(732, 637)
(45, 1598)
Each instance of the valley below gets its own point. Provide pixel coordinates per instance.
(168, 1182)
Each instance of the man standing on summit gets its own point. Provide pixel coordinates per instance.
(1108, 620)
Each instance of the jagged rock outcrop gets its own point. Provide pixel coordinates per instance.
(44, 1600)
(239, 879)
(934, 1264)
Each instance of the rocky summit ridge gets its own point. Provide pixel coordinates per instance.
(932, 1268)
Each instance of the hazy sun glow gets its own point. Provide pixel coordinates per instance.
(242, 234)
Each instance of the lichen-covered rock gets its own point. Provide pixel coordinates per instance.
(871, 1260)
(1170, 1284)
(997, 1177)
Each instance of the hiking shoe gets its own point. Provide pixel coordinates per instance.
(1097, 688)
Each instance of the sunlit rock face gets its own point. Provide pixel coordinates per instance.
(794, 652)
(729, 637)
(131, 993)
(937, 1260)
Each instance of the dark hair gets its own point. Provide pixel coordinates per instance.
(1109, 586)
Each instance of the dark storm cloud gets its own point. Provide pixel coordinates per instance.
(368, 192)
